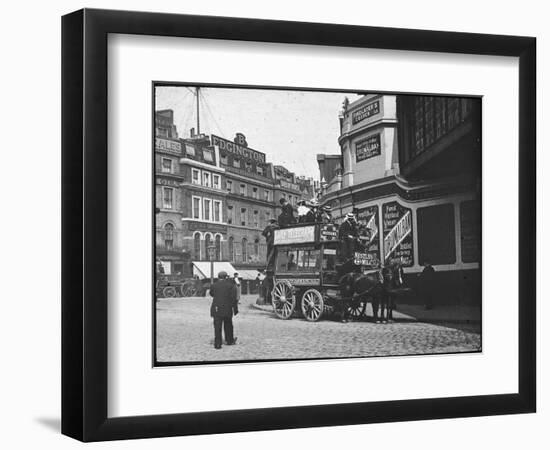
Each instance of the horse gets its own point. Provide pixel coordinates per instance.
(380, 287)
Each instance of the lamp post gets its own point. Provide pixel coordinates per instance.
(211, 250)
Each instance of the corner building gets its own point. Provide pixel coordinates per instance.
(412, 166)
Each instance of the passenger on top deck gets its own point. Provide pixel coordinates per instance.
(286, 218)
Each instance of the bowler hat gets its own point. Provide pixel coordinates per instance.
(222, 275)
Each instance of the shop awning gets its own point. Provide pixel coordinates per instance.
(247, 274)
(202, 268)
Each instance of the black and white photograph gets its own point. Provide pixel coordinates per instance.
(299, 224)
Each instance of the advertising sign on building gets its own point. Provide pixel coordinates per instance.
(367, 148)
(398, 234)
(238, 149)
(298, 235)
(369, 217)
(168, 146)
(365, 112)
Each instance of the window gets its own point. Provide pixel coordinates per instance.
(208, 155)
(197, 246)
(290, 260)
(206, 179)
(230, 214)
(440, 123)
(256, 247)
(229, 185)
(242, 190)
(266, 195)
(237, 162)
(260, 170)
(429, 117)
(419, 124)
(223, 159)
(167, 197)
(244, 244)
(267, 217)
(248, 166)
(207, 209)
(169, 236)
(436, 234)
(196, 176)
(218, 244)
(230, 248)
(256, 219)
(166, 165)
(453, 112)
(217, 211)
(196, 207)
(255, 192)
(207, 244)
(189, 150)
(243, 216)
(215, 181)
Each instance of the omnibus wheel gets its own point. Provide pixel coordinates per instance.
(188, 290)
(283, 299)
(312, 305)
(169, 291)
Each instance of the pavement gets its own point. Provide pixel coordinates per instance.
(439, 314)
(185, 335)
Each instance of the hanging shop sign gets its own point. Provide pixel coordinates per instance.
(365, 112)
(329, 232)
(369, 219)
(367, 148)
(398, 234)
(237, 149)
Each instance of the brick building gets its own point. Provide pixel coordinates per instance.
(214, 191)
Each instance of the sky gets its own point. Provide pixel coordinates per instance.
(290, 127)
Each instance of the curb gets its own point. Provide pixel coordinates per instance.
(269, 308)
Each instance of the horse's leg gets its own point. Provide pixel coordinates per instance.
(375, 305)
(384, 314)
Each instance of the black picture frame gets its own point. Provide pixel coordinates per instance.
(84, 224)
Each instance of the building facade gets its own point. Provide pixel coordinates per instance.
(215, 192)
(412, 167)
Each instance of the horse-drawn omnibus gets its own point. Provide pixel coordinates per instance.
(307, 277)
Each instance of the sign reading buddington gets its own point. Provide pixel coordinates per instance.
(298, 235)
(238, 149)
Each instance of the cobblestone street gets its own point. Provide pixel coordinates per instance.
(185, 333)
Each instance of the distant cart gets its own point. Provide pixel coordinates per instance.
(168, 286)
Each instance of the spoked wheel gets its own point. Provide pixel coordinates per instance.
(188, 290)
(169, 291)
(312, 305)
(283, 299)
(356, 309)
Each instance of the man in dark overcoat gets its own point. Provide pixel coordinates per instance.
(269, 235)
(286, 218)
(348, 235)
(224, 305)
